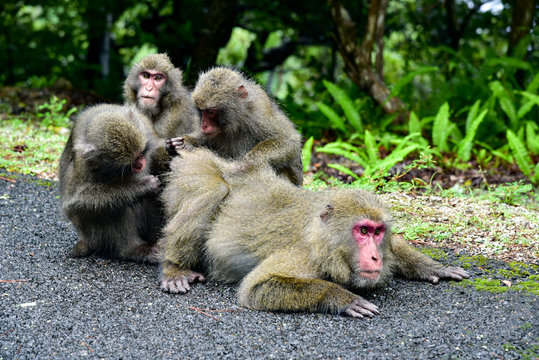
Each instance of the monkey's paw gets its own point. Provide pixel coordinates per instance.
(180, 282)
(175, 145)
(447, 272)
(152, 181)
(360, 308)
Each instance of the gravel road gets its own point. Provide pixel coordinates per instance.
(99, 308)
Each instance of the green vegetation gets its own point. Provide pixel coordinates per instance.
(33, 144)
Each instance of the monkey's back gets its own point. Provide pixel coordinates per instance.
(261, 215)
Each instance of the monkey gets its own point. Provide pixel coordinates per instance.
(106, 187)
(154, 85)
(290, 249)
(239, 121)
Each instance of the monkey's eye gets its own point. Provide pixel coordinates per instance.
(159, 77)
(145, 75)
(377, 232)
(363, 230)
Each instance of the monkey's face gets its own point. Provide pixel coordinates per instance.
(151, 82)
(368, 235)
(209, 123)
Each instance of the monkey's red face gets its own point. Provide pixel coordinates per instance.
(210, 122)
(369, 235)
(150, 83)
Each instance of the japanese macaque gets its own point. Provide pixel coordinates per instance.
(106, 187)
(155, 86)
(239, 121)
(290, 249)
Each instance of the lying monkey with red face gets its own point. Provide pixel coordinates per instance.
(289, 249)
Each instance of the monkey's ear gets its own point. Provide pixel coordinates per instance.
(242, 92)
(327, 213)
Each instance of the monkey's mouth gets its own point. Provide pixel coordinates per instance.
(369, 274)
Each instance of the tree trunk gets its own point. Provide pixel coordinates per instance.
(523, 11)
(357, 59)
(215, 33)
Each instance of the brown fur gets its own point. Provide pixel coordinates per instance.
(289, 249)
(115, 211)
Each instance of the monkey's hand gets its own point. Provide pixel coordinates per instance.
(180, 282)
(446, 272)
(360, 308)
(151, 181)
(175, 145)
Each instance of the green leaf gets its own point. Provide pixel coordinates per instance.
(414, 126)
(348, 151)
(395, 91)
(522, 158)
(465, 146)
(506, 103)
(350, 111)
(306, 154)
(441, 128)
(532, 140)
(332, 116)
(371, 148)
(344, 170)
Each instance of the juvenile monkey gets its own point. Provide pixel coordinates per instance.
(239, 121)
(291, 249)
(154, 85)
(106, 188)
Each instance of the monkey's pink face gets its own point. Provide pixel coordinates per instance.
(210, 122)
(150, 83)
(139, 164)
(369, 235)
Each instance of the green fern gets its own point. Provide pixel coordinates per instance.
(332, 116)
(441, 128)
(522, 158)
(414, 126)
(344, 149)
(532, 140)
(306, 154)
(371, 148)
(472, 124)
(344, 170)
(350, 111)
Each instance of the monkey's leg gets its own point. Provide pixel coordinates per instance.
(285, 283)
(413, 264)
(185, 234)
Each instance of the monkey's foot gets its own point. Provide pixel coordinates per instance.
(449, 272)
(180, 282)
(81, 249)
(360, 308)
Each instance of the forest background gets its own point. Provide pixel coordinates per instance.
(377, 88)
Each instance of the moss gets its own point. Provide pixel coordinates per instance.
(434, 253)
(531, 286)
(476, 260)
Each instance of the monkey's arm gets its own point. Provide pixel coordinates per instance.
(96, 197)
(285, 283)
(413, 264)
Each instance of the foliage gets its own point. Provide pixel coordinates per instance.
(54, 115)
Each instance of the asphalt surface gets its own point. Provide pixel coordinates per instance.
(99, 308)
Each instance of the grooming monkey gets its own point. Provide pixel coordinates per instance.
(289, 249)
(239, 121)
(155, 86)
(106, 188)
